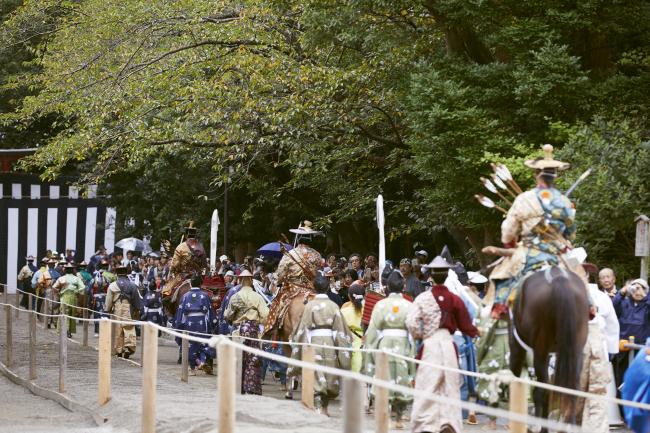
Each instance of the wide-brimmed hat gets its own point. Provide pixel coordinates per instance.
(45, 259)
(30, 258)
(305, 229)
(229, 274)
(83, 264)
(438, 263)
(69, 266)
(190, 228)
(476, 278)
(245, 273)
(547, 161)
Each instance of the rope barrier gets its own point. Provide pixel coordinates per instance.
(504, 378)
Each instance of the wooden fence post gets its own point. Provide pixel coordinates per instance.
(149, 365)
(113, 335)
(104, 367)
(226, 387)
(239, 359)
(29, 301)
(382, 412)
(32, 343)
(63, 350)
(185, 355)
(84, 335)
(307, 393)
(353, 418)
(9, 344)
(518, 404)
(17, 303)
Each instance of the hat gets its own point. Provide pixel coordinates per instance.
(244, 273)
(405, 261)
(230, 274)
(30, 258)
(69, 266)
(641, 282)
(422, 253)
(305, 229)
(51, 261)
(45, 259)
(476, 277)
(121, 270)
(153, 255)
(83, 264)
(547, 161)
(223, 257)
(438, 263)
(190, 228)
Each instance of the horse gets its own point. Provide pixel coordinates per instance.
(551, 314)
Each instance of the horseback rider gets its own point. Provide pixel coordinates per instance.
(537, 230)
(189, 258)
(295, 272)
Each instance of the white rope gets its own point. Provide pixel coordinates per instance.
(216, 340)
(492, 377)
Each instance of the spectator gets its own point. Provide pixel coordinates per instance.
(607, 280)
(412, 286)
(356, 265)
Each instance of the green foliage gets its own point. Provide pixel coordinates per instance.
(311, 108)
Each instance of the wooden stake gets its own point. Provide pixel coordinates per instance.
(113, 335)
(150, 365)
(518, 404)
(10, 344)
(32, 343)
(226, 387)
(17, 303)
(382, 412)
(84, 337)
(63, 350)
(104, 370)
(239, 360)
(308, 377)
(353, 418)
(185, 356)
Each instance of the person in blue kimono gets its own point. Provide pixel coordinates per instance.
(152, 309)
(224, 328)
(195, 315)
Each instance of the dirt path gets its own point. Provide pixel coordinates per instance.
(181, 407)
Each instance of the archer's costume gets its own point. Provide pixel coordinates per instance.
(123, 296)
(195, 315)
(295, 272)
(387, 331)
(189, 258)
(323, 324)
(69, 286)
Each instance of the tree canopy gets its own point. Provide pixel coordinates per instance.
(310, 108)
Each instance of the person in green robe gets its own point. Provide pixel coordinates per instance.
(69, 286)
(323, 324)
(387, 331)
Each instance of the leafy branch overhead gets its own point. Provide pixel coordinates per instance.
(312, 108)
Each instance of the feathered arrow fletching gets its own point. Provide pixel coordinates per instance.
(485, 201)
(489, 185)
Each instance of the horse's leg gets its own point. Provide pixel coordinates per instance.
(540, 395)
(517, 356)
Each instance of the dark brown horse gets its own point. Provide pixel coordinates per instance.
(551, 315)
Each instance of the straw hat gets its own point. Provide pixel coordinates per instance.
(438, 263)
(305, 229)
(547, 161)
(245, 273)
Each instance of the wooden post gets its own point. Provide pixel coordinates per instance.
(150, 365)
(17, 303)
(308, 378)
(30, 298)
(63, 350)
(185, 356)
(353, 418)
(32, 344)
(104, 363)
(226, 387)
(518, 404)
(382, 412)
(10, 345)
(84, 337)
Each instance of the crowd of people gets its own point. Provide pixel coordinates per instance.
(429, 309)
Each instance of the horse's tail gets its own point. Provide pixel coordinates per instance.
(568, 352)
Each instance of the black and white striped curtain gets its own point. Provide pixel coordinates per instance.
(35, 217)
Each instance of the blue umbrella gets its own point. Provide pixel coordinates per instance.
(272, 249)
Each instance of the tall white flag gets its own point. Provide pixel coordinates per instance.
(214, 227)
(382, 240)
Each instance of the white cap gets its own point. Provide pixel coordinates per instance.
(230, 274)
(223, 257)
(476, 278)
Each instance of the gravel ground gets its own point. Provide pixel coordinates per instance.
(180, 407)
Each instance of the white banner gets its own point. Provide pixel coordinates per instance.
(214, 227)
(382, 240)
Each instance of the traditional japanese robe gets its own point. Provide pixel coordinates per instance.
(152, 309)
(387, 331)
(69, 286)
(594, 378)
(423, 322)
(322, 323)
(293, 279)
(195, 314)
(353, 320)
